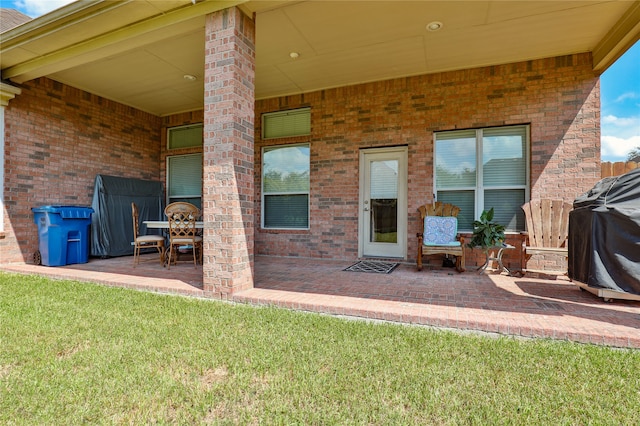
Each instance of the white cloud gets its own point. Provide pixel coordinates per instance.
(35, 8)
(621, 121)
(627, 95)
(616, 149)
(620, 128)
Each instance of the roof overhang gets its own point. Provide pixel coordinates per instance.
(137, 51)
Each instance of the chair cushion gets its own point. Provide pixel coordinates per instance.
(195, 239)
(440, 231)
(149, 238)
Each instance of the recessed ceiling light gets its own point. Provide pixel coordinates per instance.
(189, 77)
(294, 55)
(434, 26)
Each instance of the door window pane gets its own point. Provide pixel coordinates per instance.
(384, 201)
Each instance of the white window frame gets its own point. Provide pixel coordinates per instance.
(262, 191)
(479, 188)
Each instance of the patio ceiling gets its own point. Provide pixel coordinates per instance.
(136, 52)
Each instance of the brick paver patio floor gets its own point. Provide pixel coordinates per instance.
(490, 302)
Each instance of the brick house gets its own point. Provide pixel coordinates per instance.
(318, 128)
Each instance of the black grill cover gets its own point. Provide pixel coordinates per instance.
(112, 220)
(604, 235)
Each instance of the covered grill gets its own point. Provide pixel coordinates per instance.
(604, 237)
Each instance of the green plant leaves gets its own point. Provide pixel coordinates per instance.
(486, 233)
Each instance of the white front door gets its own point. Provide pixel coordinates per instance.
(383, 203)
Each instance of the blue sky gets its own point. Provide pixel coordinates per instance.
(619, 85)
(620, 106)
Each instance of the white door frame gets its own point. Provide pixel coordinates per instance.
(389, 250)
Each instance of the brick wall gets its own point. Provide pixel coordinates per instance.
(558, 97)
(58, 139)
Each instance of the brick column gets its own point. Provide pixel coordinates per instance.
(228, 188)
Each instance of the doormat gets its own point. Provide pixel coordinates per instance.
(372, 266)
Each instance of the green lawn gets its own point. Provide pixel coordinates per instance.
(74, 353)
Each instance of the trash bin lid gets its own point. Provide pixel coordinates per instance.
(66, 212)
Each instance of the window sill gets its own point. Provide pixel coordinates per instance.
(284, 231)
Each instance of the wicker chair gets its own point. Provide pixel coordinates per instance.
(182, 231)
(144, 241)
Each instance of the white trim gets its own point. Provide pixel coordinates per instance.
(308, 193)
(402, 157)
(479, 188)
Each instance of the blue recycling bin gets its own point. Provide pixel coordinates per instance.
(63, 234)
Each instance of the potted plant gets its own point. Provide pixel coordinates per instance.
(486, 233)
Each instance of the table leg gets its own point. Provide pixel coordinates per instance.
(502, 267)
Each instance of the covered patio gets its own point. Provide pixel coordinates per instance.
(529, 307)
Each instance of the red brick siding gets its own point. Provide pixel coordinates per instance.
(228, 152)
(558, 97)
(57, 140)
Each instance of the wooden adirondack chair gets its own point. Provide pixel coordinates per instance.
(454, 247)
(547, 230)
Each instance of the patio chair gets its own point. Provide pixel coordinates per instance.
(182, 231)
(547, 230)
(144, 241)
(440, 233)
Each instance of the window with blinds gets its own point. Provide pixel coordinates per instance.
(184, 179)
(285, 124)
(285, 187)
(484, 168)
(184, 136)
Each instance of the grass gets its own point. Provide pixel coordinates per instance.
(75, 353)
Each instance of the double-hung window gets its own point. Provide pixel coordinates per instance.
(285, 187)
(482, 169)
